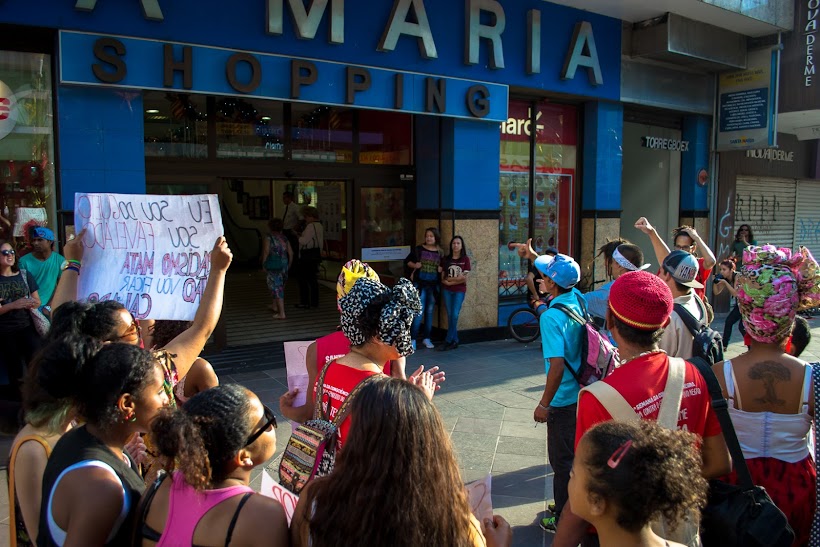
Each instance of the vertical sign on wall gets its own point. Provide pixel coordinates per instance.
(748, 103)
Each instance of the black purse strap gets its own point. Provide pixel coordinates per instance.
(721, 408)
(318, 411)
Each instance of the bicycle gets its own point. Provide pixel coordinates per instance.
(523, 325)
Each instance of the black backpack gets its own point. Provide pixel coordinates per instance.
(707, 343)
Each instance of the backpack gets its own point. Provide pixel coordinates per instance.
(707, 343)
(598, 356)
(311, 449)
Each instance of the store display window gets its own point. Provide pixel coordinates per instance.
(26, 142)
(176, 125)
(535, 199)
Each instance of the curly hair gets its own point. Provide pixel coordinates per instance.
(200, 438)
(397, 478)
(659, 474)
(166, 330)
(115, 370)
(99, 320)
(46, 400)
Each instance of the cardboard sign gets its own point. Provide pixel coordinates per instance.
(295, 353)
(151, 253)
(273, 489)
(480, 495)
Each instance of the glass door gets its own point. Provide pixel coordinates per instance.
(382, 230)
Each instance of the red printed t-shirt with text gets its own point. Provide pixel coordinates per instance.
(641, 382)
(339, 382)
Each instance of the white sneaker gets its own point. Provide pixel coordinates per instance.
(427, 343)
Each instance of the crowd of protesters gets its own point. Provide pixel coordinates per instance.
(124, 435)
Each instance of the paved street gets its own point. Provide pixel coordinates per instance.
(487, 403)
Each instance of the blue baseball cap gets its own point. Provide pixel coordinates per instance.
(562, 269)
(41, 232)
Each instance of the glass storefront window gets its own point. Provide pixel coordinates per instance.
(384, 137)
(26, 142)
(176, 125)
(249, 128)
(535, 201)
(322, 133)
(381, 224)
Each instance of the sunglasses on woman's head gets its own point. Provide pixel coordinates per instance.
(7, 252)
(270, 420)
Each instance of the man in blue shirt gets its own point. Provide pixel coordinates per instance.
(561, 346)
(43, 263)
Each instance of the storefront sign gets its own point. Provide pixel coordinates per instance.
(657, 143)
(147, 64)
(385, 254)
(150, 253)
(748, 103)
(527, 43)
(771, 154)
(812, 7)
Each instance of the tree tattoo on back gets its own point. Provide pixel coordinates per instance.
(771, 372)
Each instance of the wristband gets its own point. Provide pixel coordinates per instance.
(77, 262)
(543, 407)
(73, 268)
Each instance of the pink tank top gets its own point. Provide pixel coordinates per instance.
(186, 507)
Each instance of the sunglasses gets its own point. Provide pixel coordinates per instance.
(684, 247)
(7, 252)
(133, 329)
(270, 420)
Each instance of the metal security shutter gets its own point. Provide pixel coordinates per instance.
(807, 216)
(767, 205)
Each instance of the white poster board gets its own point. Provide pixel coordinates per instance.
(151, 253)
(385, 254)
(273, 489)
(22, 215)
(295, 353)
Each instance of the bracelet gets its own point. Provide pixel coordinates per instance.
(77, 262)
(73, 268)
(543, 407)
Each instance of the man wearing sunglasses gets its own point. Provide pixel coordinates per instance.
(43, 262)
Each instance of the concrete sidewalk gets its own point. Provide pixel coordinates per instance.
(487, 402)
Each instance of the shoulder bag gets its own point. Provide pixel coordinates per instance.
(274, 262)
(40, 321)
(311, 449)
(741, 515)
(312, 253)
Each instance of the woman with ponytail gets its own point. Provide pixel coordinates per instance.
(769, 391)
(211, 444)
(49, 412)
(90, 485)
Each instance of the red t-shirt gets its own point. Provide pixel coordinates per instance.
(640, 382)
(333, 346)
(339, 382)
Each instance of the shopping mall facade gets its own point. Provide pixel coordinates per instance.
(493, 120)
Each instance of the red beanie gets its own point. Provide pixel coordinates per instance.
(641, 300)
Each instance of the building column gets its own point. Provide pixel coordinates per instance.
(601, 186)
(457, 170)
(102, 145)
(694, 174)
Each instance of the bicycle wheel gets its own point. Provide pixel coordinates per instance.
(523, 325)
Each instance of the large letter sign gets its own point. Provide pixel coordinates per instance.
(151, 253)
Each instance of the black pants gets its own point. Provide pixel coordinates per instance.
(308, 272)
(293, 239)
(731, 319)
(18, 348)
(561, 450)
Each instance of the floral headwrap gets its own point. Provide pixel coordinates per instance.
(351, 272)
(395, 318)
(774, 285)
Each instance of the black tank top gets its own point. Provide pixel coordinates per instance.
(76, 446)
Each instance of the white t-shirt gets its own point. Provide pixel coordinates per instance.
(677, 341)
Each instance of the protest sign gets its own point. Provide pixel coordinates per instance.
(480, 495)
(151, 253)
(295, 353)
(272, 489)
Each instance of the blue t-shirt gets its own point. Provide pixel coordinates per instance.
(598, 300)
(561, 337)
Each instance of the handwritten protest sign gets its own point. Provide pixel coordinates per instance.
(151, 253)
(297, 372)
(272, 489)
(480, 494)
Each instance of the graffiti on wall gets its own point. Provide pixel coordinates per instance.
(725, 230)
(808, 231)
(758, 209)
